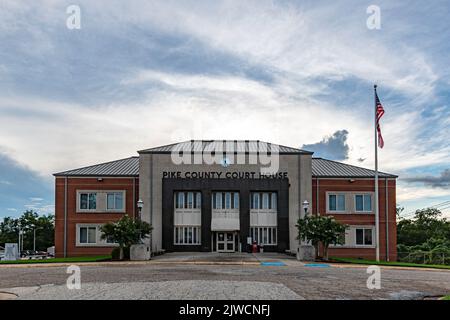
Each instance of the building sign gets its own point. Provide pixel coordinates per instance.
(222, 175)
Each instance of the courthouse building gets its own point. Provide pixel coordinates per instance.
(222, 195)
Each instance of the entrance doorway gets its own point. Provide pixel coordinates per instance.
(225, 241)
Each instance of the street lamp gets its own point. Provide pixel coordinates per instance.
(306, 206)
(34, 236)
(140, 205)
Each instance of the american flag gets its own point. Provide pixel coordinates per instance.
(379, 114)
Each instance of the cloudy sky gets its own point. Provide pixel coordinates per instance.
(145, 73)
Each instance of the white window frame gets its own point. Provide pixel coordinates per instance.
(261, 233)
(115, 193)
(181, 234)
(80, 193)
(364, 209)
(98, 241)
(101, 201)
(337, 194)
(364, 237)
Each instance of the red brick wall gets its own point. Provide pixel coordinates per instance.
(327, 185)
(74, 184)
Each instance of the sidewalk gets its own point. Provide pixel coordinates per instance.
(200, 258)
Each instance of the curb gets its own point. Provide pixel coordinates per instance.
(357, 265)
(125, 263)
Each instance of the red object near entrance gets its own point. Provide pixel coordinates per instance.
(254, 247)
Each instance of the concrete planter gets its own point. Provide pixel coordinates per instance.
(306, 252)
(140, 252)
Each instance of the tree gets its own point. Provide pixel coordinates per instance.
(425, 225)
(321, 230)
(126, 232)
(28, 221)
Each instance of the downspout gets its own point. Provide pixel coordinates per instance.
(299, 200)
(317, 196)
(387, 218)
(151, 200)
(65, 217)
(317, 207)
(134, 198)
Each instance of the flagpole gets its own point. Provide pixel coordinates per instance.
(377, 213)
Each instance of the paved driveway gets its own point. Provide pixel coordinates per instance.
(186, 277)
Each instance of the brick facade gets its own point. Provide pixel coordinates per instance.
(321, 186)
(129, 184)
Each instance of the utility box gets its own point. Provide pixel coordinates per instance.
(140, 252)
(11, 252)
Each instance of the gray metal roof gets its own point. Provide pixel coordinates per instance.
(128, 167)
(236, 146)
(118, 168)
(333, 169)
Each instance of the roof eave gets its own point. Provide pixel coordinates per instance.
(213, 152)
(355, 177)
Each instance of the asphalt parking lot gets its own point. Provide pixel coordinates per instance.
(243, 276)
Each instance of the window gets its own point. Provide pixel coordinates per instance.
(265, 200)
(264, 235)
(114, 201)
(88, 235)
(218, 200)
(88, 201)
(363, 202)
(225, 200)
(274, 201)
(198, 200)
(236, 200)
(180, 200)
(255, 202)
(364, 237)
(186, 235)
(190, 200)
(336, 202)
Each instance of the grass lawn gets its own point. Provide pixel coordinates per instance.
(393, 263)
(446, 298)
(59, 260)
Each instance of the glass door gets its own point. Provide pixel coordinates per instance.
(225, 242)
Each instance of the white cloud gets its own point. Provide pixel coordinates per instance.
(305, 49)
(33, 199)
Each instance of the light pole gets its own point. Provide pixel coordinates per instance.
(34, 236)
(305, 206)
(140, 205)
(305, 251)
(20, 235)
